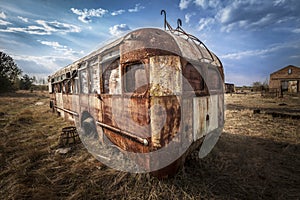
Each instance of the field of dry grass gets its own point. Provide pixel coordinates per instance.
(257, 157)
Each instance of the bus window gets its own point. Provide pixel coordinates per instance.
(194, 80)
(68, 86)
(95, 81)
(135, 78)
(111, 78)
(83, 82)
(75, 86)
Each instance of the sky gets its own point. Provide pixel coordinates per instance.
(252, 38)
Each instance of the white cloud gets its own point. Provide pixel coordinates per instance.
(137, 8)
(44, 28)
(254, 15)
(184, 4)
(259, 52)
(188, 16)
(295, 56)
(205, 22)
(207, 3)
(225, 14)
(278, 2)
(201, 3)
(296, 30)
(61, 49)
(118, 12)
(86, 14)
(23, 19)
(38, 64)
(4, 23)
(118, 29)
(2, 15)
(55, 45)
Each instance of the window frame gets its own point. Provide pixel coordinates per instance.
(125, 84)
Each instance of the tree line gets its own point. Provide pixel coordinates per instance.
(11, 78)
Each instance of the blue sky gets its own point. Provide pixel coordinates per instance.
(252, 38)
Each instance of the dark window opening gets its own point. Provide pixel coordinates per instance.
(68, 86)
(136, 78)
(194, 80)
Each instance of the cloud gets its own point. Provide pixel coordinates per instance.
(183, 4)
(278, 2)
(207, 3)
(38, 64)
(296, 30)
(137, 8)
(44, 28)
(119, 29)
(205, 22)
(188, 16)
(23, 19)
(118, 12)
(253, 15)
(4, 23)
(43, 65)
(61, 49)
(260, 52)
(85, 15)
(2, 15)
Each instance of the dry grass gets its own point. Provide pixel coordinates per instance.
(257, 157)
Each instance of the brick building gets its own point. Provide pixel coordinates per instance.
(286, 79)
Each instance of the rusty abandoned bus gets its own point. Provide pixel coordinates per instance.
(155, 95)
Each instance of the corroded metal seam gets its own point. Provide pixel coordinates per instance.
(68, 111)
(143, 141)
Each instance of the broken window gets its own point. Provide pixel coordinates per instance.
(68, 87)
(75, 86)
(135, 78)
(95, 81)
(83, 82)
(194, 80)
(111, 77)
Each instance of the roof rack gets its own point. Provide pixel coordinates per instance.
(180, 32)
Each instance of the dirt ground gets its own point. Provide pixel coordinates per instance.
(256, 157)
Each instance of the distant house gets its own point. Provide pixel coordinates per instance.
(229, 88)
(286, 79)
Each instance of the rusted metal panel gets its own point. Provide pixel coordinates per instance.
(154, 41)
(165, 76)
(206, 113)
(187, 120)
(165, 116)
(200, 111)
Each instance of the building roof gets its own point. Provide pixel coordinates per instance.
(284, 68)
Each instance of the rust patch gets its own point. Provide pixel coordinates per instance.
(162, 134)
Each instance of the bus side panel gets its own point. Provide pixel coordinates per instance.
(206, 113)
(60, 103)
